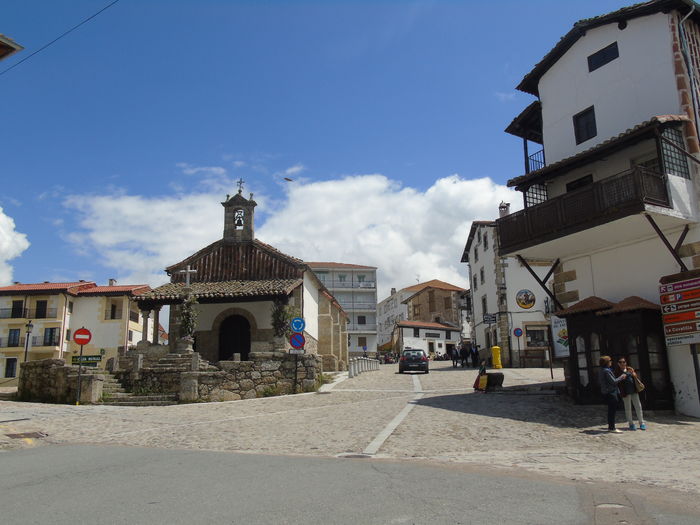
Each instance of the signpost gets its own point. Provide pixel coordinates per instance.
(297, 340)
(490, 318)
(82, 336)
(86, 360)
(518, 332)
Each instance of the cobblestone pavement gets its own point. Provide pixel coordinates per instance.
(434, 416)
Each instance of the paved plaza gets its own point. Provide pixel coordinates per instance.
(432, 417)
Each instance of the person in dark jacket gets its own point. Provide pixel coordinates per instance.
(464, 354)
(608, 387)
(474, 354)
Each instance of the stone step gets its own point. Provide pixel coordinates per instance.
(140, 403)
(7, 396)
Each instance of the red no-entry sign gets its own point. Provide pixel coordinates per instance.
(82, 336)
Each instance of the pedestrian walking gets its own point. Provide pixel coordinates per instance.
(629, 390)
(454, 354)
(608, 387)
(475, 356)
(464, 354)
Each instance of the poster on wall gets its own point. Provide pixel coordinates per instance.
(560, 337)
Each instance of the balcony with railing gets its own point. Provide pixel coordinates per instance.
(28, 313)
(535, 161)
(356, 305)
(332, 284)
(622, 195)
(357, 327)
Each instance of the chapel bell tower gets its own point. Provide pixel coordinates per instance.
(238, 216)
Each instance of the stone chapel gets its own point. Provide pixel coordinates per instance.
(236, 281)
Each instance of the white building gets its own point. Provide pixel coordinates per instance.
(435, 339)
(355, 288)
(505, 298)
(613, 195)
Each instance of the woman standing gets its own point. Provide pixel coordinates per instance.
(630, 396)
(608, 387)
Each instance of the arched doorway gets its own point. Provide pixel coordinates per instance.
(234, 338)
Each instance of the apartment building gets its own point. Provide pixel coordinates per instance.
(355, 288)
(37, 320)
(504, 301)
(611, 195)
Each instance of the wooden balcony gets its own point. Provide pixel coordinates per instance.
(604, 201)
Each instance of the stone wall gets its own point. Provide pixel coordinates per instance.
(266, 374)
(52, 381)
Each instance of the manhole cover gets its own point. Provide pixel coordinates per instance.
(25, 435)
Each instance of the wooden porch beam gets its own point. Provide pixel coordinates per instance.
(542, 284)
(681, 238)
(663, 238)
(551, 271)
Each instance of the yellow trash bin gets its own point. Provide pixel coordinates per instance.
(496, 356)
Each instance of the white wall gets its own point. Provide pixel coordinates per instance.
(389, 311)
(421, 342)
(637, 85)
(310, 313)
(683, 377)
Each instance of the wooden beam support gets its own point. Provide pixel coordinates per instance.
(663, 238)
(679, 243)
(551, 271)
(542, 284)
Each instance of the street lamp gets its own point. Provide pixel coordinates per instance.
(28, 327)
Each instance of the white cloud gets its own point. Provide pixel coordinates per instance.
(293, 170)
(12, 244)
(361, 219)
(189, 169)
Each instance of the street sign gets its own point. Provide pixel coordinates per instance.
(680, 307)
(297, 351)
(518, 332)
(298, 324)
(82, 336)
(297, 341)
(86, 360)
(489, 318)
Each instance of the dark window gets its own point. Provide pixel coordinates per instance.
(584, 125)
(131, 335)
(11, 367)
(602, 57)
(362, 341)
(112, 311)
(416, 332)
(476, 255)
(70, 307)
(481, 274)
(475, 282)
(416, 310)
(68, 334)
(448, 335)
(431, 300)
(41, 309)
(361, 319)
(13, 337)
(579, 183)
(535, 194)
(486, 241)
(675, 162)
(17, 309)
(484, 306)
(50, 336)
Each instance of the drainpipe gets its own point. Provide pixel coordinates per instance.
(63, 328)
(689, 66)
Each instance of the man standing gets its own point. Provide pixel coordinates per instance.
(474, 354)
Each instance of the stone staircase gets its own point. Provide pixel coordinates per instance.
(182, 363)
(114, 394)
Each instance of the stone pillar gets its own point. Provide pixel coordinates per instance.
(146, 314)
(156, 323)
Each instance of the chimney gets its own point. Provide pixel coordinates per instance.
(112, 282)
(504, 209)
(393, 291)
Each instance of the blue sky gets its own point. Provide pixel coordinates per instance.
(119, 140)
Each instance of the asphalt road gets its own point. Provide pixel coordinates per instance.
(115, 485)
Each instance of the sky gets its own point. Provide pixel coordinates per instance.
(120, 141)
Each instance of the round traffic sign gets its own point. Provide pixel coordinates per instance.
(297, 341)
(82, 336)
(298, 324)
(518, 332)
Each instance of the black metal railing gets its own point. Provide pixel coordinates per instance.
(609, 199)
(536, 161)
(14, 313)
(28, 313)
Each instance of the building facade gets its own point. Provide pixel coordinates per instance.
(39, 319)
(355, 288)
(612, 196)
(435, 339)
(504, 300)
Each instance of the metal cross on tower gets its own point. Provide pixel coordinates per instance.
(187, 273)
(240, 183)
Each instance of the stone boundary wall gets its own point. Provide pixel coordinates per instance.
(52, 381)
(266, 374)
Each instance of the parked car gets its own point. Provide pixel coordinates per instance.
(412, 359)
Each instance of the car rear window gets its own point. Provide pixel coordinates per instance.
(413, 353)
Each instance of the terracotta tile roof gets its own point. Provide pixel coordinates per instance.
(319, 265)
(529, 84)
(589, 304)
(630, 304)
(47, 287)
(174, 291)
(639, 129)
(125, 289)
(435, 283)
(423, 324)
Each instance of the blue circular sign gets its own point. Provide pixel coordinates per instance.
(298, 324)
(518, 332)
(297, 341)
